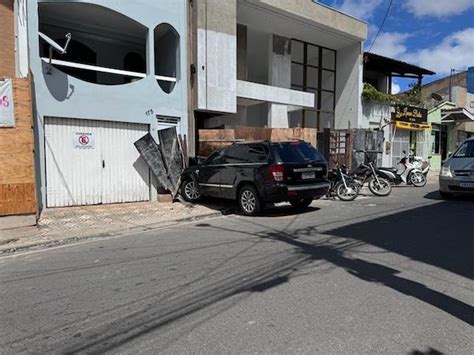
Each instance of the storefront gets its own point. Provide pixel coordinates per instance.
(409, 131)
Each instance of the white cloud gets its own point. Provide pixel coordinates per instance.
(363, 9)
(390, 44)
(395, 88)
(438, 8)
(454, 51)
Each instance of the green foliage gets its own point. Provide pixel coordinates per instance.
(370, 93)
(411, 97)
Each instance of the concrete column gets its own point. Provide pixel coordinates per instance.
(278, 116)
(279, 66)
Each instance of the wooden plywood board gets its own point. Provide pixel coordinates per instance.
(211, 139)
(17, 199)
(17, 177)
(7, 39)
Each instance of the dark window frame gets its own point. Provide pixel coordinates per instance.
(320, 68)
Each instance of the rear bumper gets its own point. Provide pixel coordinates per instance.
(456, 185)
(282, 192)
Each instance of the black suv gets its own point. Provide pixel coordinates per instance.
(257, 173)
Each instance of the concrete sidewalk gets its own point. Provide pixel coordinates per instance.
(66, 225)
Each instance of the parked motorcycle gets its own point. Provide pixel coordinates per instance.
(410, 175)
(342, 185)
(370, 175)
(423, 164)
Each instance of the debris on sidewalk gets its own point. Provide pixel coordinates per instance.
(166, 160)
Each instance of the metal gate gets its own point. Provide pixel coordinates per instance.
(93, 162)
(340, 148)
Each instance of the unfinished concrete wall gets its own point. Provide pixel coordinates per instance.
(348, 86)
(279, 74)
(216, 55)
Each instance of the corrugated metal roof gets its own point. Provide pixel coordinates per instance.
(380, 63)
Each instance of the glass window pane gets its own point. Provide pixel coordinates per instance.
(296, 74)
(235, 154)
(310, 119)
(327, 81)
(312, 77)
(297, 51)
(326, 120)
(327, 101)
(329, 59)
(296, 119)
(257, 153)
(313, 55)
(293, 87)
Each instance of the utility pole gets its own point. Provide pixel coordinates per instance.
(451, 84)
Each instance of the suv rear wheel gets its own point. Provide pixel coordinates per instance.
(249, 201)
(301, 204)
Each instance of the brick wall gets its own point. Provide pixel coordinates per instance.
(7, 39)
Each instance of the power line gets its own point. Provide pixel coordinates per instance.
(381, 26)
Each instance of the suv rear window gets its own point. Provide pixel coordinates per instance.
(295, 152)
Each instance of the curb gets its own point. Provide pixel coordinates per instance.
(115, 233)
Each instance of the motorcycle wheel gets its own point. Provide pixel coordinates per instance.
(348, 194)
(418, 179)
(382, 189)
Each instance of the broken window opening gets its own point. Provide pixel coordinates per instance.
(111, 52)
(166, 56)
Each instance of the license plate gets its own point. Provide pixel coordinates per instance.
(467, 184)
(308, 176)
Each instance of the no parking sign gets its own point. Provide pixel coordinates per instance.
(84, 140)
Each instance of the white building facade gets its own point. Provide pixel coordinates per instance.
(275, 63)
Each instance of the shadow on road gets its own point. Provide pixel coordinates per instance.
(440, 235)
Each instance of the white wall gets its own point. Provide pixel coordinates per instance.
(217, 56)
(348, 86)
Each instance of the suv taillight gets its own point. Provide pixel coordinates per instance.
(277, 172)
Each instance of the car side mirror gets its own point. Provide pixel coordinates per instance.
(197, 161)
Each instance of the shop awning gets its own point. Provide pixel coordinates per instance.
(456, 115)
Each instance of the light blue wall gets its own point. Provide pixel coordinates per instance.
(60, 95)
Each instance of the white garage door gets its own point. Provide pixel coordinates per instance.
(93, 162)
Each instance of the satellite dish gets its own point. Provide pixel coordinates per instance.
(54, 45)
(436, 96)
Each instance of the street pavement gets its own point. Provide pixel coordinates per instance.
(376, 275)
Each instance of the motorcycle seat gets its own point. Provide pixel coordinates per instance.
(390, 169)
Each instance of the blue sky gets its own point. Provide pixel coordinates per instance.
(435, 34)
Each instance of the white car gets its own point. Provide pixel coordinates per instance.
(457, 172)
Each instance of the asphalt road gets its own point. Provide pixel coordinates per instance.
(377, 275)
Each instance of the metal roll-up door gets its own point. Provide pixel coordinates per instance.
(93, 162)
